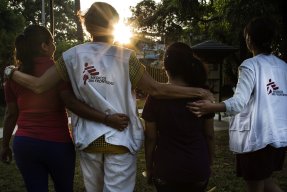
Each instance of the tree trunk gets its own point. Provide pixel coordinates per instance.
(80, 35)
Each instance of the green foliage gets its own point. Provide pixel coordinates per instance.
(61, 47)
(172, 20)
(11, 23)
(221, 20)
(64, 16)
(17, 14)
(193, 21)
(143, 13)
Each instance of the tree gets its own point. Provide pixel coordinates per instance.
(80, 34)
(221, 20)
(143, 13)
(11, 23)
(236, 13)
(172, 19)
(64, 16)
(68, 30)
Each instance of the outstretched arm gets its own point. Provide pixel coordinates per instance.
(233, 105)
(50, 78)
(142, 80)
(38, 84)
(203, 107)
(163, 90)
(117, 121)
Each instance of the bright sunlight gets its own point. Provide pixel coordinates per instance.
(122, 33)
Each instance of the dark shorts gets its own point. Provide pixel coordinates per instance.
(164, 186)
(259, 165)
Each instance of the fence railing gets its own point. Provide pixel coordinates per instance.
(157, 73)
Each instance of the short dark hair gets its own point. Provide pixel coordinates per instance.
(261, 31)
(179, 62)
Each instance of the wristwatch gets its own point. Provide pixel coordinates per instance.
(9, 71)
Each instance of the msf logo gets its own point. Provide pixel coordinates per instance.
(271, 86)
(89, 71)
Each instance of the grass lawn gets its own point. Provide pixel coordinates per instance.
(223, 177)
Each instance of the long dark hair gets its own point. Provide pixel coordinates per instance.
(28, 46)
(179, 62)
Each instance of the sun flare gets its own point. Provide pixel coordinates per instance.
(122, 33)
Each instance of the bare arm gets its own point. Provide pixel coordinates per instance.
(203, 107)
(163, 90)
(38, 84)
(10, 119)
(209, 135)
(233, 105)
(150, 142)
(117, 121)
(50, 79)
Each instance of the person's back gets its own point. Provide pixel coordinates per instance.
(40, 116)
(178, 144)
(258, 127)
(100, 75)
(181, 153)
(266, 106)
(97, 151)
(100, 71)
(42, 144)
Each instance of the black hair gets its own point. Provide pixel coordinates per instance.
(179, 62)
(261, 31)
(28, 46)
(99, 19)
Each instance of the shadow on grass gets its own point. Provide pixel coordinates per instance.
(223, 177)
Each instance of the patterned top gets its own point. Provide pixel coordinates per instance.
(136, 71)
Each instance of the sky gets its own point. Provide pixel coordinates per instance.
(122, 6)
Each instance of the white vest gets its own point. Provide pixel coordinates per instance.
(264, 120)
(99, 75)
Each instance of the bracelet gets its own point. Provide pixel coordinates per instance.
(8, 71)
(106, 119)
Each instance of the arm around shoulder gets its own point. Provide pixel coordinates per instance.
(164, 90)
(38, 84)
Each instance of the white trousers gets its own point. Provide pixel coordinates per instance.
(108, 172)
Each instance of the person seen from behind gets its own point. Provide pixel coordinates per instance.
(105, 76)
(179, 146)
(258, 126)
(42, 144)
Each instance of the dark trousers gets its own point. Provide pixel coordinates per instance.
(37, 159)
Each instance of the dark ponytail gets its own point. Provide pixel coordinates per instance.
(23, 54)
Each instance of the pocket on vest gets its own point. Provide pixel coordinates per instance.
(240, 123)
